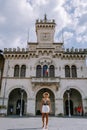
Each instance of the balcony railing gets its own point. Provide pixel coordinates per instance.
(46, 80)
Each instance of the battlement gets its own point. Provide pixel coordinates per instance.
(45, 20)
(75, 50)
(21, 50)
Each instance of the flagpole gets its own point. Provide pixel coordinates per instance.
(62, 36)
(28, 36)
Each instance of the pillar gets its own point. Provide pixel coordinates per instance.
(31, 107)
(84, 101)
(59, 106)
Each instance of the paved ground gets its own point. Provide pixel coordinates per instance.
(35, 123)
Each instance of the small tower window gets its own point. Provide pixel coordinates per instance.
(45, 71)
(38, 71)
(16, 71)
(23, 71)
(74, 71)
(67, 71)
(51, 71)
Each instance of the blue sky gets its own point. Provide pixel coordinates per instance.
(19, 16)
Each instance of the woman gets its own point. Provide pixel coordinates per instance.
(45, 108)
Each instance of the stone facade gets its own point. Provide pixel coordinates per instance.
(44, 66)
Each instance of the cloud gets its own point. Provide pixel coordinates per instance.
(2, 19)
(83, 19)
(19, 16)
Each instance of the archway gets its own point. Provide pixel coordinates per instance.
(75, 101)
(39, 98)
(17, 97)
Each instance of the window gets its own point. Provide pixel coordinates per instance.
(45, 71)
(51, 71)
(23, 71)
(67, 71)
(16, 71)
(38, 71)
(74, 71)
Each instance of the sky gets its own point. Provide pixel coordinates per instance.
(18, 17)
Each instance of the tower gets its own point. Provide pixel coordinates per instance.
(45, 30)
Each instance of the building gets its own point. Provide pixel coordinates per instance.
(1, 67)
(44, 66)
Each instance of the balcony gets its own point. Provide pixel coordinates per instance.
(45, 80)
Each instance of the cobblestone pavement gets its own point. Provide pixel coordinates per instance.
(35, 123)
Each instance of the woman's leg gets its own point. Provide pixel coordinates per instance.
(43, 115)
(46, 119)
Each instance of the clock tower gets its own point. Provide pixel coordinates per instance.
(45, 31)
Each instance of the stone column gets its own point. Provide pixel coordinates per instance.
(31, 107)
(84, 101)
(59, 106)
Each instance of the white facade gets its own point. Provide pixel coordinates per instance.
(44, 53)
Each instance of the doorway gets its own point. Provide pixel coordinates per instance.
(39, 96)
(75, 101)
(15, 101)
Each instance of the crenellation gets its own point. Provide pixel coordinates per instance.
(23, 49)
(80, 50)
(10, 49)
(5, 49)
(14, 50)
(38, 21)
(76, 50)
(18, 49)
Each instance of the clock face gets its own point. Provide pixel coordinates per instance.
(45, 36)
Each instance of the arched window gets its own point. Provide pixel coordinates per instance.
(45, 71)
(74, 71)
(23, 71)
(16, 71)
(67, 71)
(38, 71)
(51, 71)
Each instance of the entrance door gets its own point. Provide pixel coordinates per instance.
(14, 102)
(39, 97)
(75, 101)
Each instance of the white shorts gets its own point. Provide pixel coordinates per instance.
(45, 109)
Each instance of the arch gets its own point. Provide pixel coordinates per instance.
(72, 101)
(73, 87)
(16, 98)
(42, 60)
(15, 87)
(39, 96)
(44, 69)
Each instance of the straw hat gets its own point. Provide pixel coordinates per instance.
(46, 93)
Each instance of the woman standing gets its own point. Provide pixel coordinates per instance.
(45, 108)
